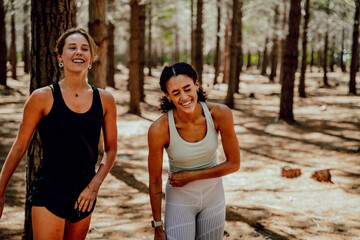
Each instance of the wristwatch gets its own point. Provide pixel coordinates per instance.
(155, 224)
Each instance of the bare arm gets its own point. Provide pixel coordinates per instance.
(89, 194)
(34, 109)
(223, 121)
(157, 139)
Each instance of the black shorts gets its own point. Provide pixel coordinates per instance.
(59, 192)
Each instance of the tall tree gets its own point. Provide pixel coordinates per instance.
(74, 10)
(290, 63)
(142, 20)
(304, 50)
(149, 50)
(275, 46)
(342, 63)
(26, 48)
(111, 47)
(248, 63)
(229, 101)
(264, 58)
(282, 41)
(217, 49)
(199, 40)
(226, 46)
(326, 44)
(354, 50)
(48, 20)
(3, 50)
(134, 68)
(239, 56)
(13, 55)
(192, 50)
(98, 31)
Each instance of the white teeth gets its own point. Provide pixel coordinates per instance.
(78, 61)
(187, 103)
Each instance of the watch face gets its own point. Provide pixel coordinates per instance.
(155, 224)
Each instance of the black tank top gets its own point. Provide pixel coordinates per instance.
(69, 139)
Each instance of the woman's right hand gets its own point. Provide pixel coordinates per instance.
(2, 201)
(159, 234)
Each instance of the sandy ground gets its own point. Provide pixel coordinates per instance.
(260, 203)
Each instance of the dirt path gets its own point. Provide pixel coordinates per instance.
(260, 203)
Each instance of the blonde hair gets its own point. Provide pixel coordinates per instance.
(61, 41)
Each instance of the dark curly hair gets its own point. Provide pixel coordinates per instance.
(174, 70)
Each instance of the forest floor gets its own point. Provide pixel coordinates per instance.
(260, 203)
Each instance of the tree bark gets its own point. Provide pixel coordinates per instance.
(239, 55)
(226, 48)
(264, 58)
(290, 63)
(26, 51)
(3, 50)
(98, 31)
(229, 101)
(248, 64)
(354, 50)
(13, 53)
(332, 55)
(192, 51)
(149, 50)
(111, 56)
(134, 68)
(199, 41)
(312, 61)
(49, 19)
(342, 64)
(302, 92)
(275, 46)
(74, 10)
(217, 49)
(142, 20)
(326, 43)
(282, 41)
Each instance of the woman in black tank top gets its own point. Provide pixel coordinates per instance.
(69, 116)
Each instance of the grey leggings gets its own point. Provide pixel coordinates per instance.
(195, 211)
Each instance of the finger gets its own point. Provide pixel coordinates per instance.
(90, 206)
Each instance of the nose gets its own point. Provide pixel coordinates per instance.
(78, 52)
(183, 95)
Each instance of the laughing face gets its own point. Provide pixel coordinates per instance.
(182, 91)
(76, 54)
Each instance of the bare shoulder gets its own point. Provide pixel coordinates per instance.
(106, 96)
(218, 111)
(42, 93)
(160, 126)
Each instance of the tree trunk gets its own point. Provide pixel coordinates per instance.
(177, 50)
(217, 50)
(142, 20)
(312, 58)
(134, 69)
(332, 55)
(13, 53)
(199, 41)
(111, 55)
(226, 48)
(326, 47)
(248, 64)
(98, 31)
(290, 63)
(282, 41)
(304, 48)
(149, 50)
(264, 58)
(192, 34)
(74, 10)
(354, 50)
(259, 60)
(26, 51)
(275, 46)
(239, 56)
(3, 50)
(229, 101)
(342, 64)
(57, 17)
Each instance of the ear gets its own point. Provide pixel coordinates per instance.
(167, 96)
(197, 85)
(59, 58)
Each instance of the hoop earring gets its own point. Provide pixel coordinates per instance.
(90, 66)
(61, 64)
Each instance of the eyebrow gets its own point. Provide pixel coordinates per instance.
(81, 44)
(186, 86)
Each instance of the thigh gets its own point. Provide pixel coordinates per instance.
(46, 225)
(211, 220)
(77, 230)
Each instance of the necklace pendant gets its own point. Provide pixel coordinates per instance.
(76, 95)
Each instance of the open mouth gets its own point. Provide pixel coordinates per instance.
(78, 61)
(186, 104)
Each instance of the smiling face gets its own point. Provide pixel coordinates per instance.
(182, 91)
(76, 54)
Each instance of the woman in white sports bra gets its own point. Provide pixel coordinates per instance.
(188, 131)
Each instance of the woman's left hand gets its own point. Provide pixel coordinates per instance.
(86, 200)
(180, 179)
